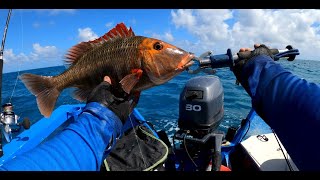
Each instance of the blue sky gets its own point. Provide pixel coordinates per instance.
(40, 38)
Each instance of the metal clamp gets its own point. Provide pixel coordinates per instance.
(202, 60)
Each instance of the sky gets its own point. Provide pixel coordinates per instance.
(41, 37)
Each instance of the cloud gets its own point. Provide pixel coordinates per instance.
(220, 29)
(132, 21)
(39, 52)
(50, 12)
(51, 23)
(59, 11)
(44, 55)
(36, 24)
(10, 57)
(109, 24)
(45, 51)
(86, 34)
(167, 36)
(183, 18)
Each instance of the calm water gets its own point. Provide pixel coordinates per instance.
(160, 104)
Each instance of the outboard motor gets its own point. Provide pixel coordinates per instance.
(201, 104)
(200, 114)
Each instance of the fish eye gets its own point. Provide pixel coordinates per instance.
(157, 46)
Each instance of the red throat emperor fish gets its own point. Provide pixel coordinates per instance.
(133, 63)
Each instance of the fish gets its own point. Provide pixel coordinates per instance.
(133, 63)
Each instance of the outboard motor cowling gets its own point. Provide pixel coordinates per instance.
(201, 104)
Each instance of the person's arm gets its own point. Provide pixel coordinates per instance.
(81, 146)
(290, 105)
(86, 141)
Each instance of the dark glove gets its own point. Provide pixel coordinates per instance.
(246, 57)
(121, 106)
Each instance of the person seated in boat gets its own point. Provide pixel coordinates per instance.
(289, 104)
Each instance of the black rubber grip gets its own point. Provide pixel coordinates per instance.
(247, 54)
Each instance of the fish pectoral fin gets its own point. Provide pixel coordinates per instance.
(130, 80)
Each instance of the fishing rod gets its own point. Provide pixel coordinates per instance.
(208, 60)
(2, 49)
(8, 119)
(1, 66)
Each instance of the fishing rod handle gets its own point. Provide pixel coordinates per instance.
(208, 60)
(247, 55)
(229, 59)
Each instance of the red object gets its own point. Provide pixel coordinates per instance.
(224, 168)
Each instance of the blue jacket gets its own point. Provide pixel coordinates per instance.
(290, 105)
(81, 146)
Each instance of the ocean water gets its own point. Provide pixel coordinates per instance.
(160, 104)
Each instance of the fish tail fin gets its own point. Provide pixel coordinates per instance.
(44, 89)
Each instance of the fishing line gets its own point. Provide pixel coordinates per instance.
(138, 142)
(19, 64)
(244, 135)
(185, 147)
(173, 142)
(285, 157)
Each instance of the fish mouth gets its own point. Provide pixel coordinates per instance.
(186, 62)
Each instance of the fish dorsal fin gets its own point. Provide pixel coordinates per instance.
(77, 51)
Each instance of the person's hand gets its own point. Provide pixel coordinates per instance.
(121, 106)
(246, 57)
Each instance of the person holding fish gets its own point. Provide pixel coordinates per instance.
(123, 65)
(109, 74)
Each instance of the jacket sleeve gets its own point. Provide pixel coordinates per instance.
(80, 146)
(290, 105)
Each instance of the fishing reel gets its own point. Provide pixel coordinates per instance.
(10, 122)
